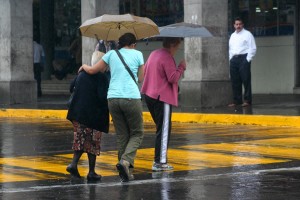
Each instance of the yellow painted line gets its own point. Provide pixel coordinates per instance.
(266, 120)
(11, 174)
(277, 152)
(34, 113)
(48, 164)
(256, 133)
(6, 177)
(215, 160)
(29, 168)
(292, 142)
(229, 119)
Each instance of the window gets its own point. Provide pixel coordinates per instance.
(67, 19)
(162, 12)
(264, 17)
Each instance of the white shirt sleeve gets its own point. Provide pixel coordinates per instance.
(251, 48)
(230, 51)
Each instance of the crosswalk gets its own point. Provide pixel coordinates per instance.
(183, 158)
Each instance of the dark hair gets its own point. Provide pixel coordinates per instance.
(238, 19)
(171, 41)
(36, 38)
(126, 40)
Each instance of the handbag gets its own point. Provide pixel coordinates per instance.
(70, 100)
(126, 66)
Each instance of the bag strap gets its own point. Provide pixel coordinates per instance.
(126, 66)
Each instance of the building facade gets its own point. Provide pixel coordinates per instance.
(206, 83)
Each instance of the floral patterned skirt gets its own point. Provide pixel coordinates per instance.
(86, 139)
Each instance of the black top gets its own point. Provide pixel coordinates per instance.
(89, 104)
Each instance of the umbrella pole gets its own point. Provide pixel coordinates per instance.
(97, 37)
(98, 42)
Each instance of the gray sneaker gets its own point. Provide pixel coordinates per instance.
(161, 167)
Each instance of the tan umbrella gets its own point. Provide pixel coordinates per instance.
(111, 27)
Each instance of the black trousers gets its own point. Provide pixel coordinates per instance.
(161, 114)
(240, 74)
(37, 69)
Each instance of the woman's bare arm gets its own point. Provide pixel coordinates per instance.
(98, 67)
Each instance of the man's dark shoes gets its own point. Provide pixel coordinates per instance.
(73, 171)
(245, 104)
(231, 105)
(93, 177)
(123, 168)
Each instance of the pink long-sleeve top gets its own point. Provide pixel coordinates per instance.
(162, 76)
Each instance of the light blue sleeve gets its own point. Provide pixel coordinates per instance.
(141, 58)
(106, 57)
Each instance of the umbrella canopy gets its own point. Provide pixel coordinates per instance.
(183, 29)
(111, 27)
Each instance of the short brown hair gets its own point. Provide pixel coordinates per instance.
(126, 40)
(171, 41)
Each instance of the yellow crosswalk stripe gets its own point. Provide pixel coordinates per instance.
(13, 174)
(192, 157)
(253, 148)
(291, 142)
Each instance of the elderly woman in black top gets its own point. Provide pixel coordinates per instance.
(88, 112)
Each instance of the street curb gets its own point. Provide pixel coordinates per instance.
(229, 119)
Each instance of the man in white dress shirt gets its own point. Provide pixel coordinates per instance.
(242, 49)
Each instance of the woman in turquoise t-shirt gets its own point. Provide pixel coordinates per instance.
(124, 100)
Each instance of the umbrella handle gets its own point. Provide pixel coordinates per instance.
(97, 37)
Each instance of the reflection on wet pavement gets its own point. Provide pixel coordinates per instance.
(237, 161)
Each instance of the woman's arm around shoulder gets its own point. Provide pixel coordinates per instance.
(98, 67)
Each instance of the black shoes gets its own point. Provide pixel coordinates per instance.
(93, 177)
(123, 168)
(73, 171)
(246, 104)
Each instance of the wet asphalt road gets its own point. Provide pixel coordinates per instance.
(210, 162)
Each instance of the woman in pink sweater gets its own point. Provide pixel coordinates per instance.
(160, 88)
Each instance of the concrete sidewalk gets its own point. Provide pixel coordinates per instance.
(267, 110)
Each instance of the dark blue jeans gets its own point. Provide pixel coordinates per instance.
(240, 74)
(37, 69)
